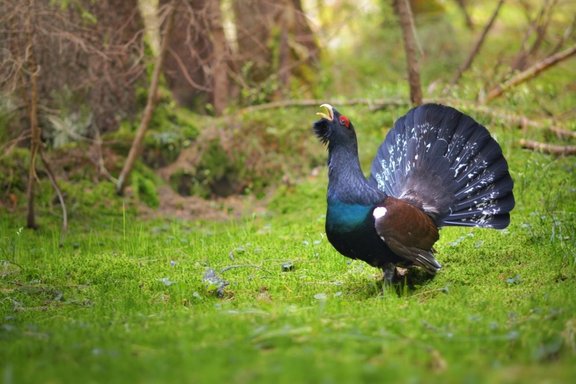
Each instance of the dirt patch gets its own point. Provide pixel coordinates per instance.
(174, 206)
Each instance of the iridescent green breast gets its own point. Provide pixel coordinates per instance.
(343, 217)
(350, 229)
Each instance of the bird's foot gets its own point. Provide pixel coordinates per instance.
(411, 276)
(389, 271)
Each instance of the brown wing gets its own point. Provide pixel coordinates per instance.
(408, 232)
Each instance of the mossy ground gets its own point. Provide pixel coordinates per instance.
(266, 298)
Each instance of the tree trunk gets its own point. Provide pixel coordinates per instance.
(34, 144)
(198, 62)
(284, 65)
(32, 73)
(220, 87)
(402, 8)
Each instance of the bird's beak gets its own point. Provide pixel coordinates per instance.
(328, 112)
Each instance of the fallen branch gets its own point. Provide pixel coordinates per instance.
(316, 103)
(477, 45)
(378, 104)
(520, 121)
(531, 72)
(8, 147)
(548, 148)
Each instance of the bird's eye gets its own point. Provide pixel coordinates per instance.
(345, 121)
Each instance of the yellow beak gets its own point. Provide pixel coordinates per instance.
(328, 112)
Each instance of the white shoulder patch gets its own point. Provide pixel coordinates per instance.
(429, 208)
(379, 212)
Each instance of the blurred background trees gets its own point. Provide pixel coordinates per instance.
(75, 75)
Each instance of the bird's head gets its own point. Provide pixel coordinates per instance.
(334, 128)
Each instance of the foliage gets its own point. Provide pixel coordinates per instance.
(70, 128)
(14, 165)
(6, 105)
(248, 153)
(215, 174)
(144, 188)
(171, 130)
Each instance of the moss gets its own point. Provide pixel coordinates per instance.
(216, 174)
(14, 167)
(144, 189)
(170, 130)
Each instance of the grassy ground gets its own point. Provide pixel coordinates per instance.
(267, 299)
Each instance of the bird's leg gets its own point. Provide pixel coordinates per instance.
(389, 270)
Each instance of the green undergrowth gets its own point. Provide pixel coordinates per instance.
(266, 298)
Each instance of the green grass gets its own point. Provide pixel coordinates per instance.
(129, 301)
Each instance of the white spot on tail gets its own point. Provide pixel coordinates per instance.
(379, 212)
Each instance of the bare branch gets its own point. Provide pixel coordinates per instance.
(565, 36)
(549, 148)
(462, 6)
(540, 26)
(58, 191)
(136, 147)
(6, 148)
(531, 72)
(477, 45)
(186, 73)
(99, 161)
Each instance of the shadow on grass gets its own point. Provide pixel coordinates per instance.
(411, 282)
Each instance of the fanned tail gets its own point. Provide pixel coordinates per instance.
(447, 164)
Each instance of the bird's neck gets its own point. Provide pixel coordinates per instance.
(346, 181)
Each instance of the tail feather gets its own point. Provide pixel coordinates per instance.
(492, 213)
(478, 179)
(495, 217)
(498, 190)
(448, 164)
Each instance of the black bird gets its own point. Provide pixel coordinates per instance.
(437, 167)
